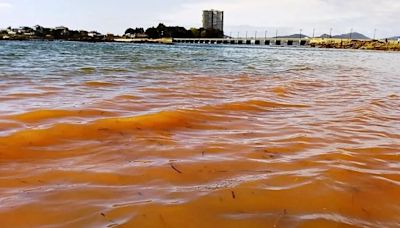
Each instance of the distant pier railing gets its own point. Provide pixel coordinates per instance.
(246, 41)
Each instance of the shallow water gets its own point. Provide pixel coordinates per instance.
(97, 135)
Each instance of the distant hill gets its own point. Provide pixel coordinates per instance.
(354, 35)
(294, 36)
(324, 36)
(394, 38)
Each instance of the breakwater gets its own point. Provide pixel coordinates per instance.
(246, 41)
(386, 45)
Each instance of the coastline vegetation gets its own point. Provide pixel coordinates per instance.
(164, 34)
(63, 33)
(58, 33)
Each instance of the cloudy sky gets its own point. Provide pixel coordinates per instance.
(286, 16)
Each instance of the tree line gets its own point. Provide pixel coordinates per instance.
(58, 33)
(163, 31)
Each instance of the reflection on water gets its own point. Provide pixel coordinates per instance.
(174, 136)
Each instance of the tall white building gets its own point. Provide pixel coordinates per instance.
(213, 19)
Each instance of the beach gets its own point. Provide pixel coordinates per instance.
(145, 135)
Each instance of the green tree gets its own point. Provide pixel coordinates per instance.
(195, 33)
(153, 33)
(134, 31)
(129, 31)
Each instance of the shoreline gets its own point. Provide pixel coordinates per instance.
(96, 40)
(378, 45)
(323, 43)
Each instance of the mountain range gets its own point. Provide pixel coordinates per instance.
(294, 36)
(354, 35)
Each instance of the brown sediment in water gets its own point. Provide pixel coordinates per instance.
(99, 84)
(42, 115)
(204, 151)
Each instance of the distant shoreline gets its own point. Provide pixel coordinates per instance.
(327, 43)
(116, 40)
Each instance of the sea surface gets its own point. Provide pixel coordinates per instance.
(124, 135)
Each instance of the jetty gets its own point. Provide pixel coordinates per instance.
(246, 41)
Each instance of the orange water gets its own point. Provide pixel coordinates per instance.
(298, 153)
(287, 138)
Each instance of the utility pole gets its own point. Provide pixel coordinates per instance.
(266, 32)
(276, 34)
(238, 36)
(301, 30)
(351, 33)
(330, 33)
(313, 33)
(374, 34)
(255, 35)
(246, 35)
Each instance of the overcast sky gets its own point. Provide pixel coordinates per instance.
(288, 16)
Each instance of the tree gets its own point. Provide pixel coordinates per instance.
(130, 31)
(195, 33)
(161, 27)
(134, 31)
(178, 32)
(163, 30)
(211, 33)
(153, 33)
(139, 30)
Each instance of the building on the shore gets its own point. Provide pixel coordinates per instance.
(94, 34)
(213, 19)
(39, 29)
(27, 31)
(137, 35)
(15, 31)
(64, 31)
(11, 32)
(61, 28)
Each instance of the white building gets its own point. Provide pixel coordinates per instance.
(12, 32)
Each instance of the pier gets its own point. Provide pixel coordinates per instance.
(246, 41)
